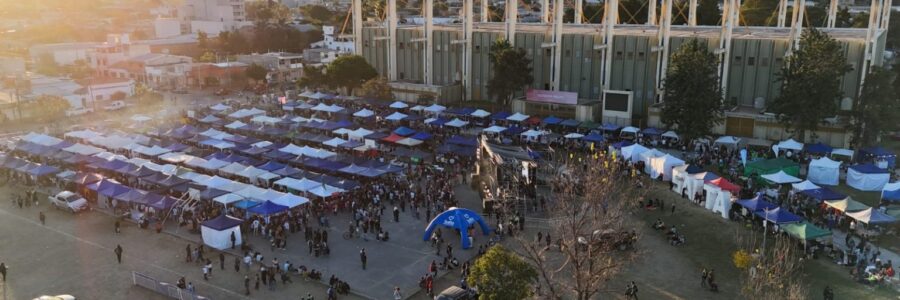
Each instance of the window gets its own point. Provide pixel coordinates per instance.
(402, 75)
(578, 53)
(641, 55)
(366, 44)
(477, 48)
(737, 59)
(751, 61)
(401, 46)
(619, 54)
(437, 48)
(547, 86)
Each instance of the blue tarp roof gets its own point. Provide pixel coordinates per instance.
(177, 147)
(868, 169)
(594, 137)
(461, 111)
(500, 115)
(271, 166)
(268, 208)
(552, 120)
(877, 151)
(422, 136)
(404, 131)
(818, 148)
(377, 135)
(329, 125)
(43, 170)
(438, 121)
(609, 127)
(276, 154)
(245, 204)
(222, 222)
(693, 169)
(823, 194)
(351, 144)
(159, 202)
(113, 190)
(570, 123)
(651, 131)
(211, 193)
(779, 216)
(756, 204)
(464, 141)
(891, 195)
(622, 144)
(514, 131)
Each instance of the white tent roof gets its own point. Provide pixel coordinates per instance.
(261, 144)
(235, 125)
(790, 144)
(297, 184)
(531, 133)
(324, 190)
(574, 135)
(781, 177)
(263, 119)
(209, 119)
(396, 116)
(83, 134)
(228, 198)
(243, 113)
(315, 152)
(842, 151)
(175, 157)
(151, 151)
(83, 149)
(824, 162)
(417, 108)
(219, 144)
(399, 104)
(334, 142)
(495, 129)
(517, 117)
(215, 134)
(41, 139)
(633, 152)
(253, 192)
(409, 142)
(435, 108)
(893, 186)
(290, 200)
(292, 149)
(359, 133)
(804, 186)
(456, 122)
(670, 134)
(342, 131)
(213, 164)
(364, 113)
(631, 129)
(233, 168)
(727, 140)
(480, 113)
(220, 107)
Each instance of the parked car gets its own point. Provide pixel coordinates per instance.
(78, 111)
(115, 105)
(456, 293)
(57, 297)
(70, 201)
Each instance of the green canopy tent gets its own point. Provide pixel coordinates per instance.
(769, 166)
(805, 231)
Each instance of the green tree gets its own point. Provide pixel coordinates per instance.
(202, 40)
(759, 12)
(861, 20)
(313, 77)
(47, 107)
(693, 101)
(268, 13)
(256, 72)
(207, 57)
(317, 14)
(511, 71)
(877, 108)
(377, 88)
(810, 82)
(501, 274)
(708, 12)
(350, 72)
(843, 18)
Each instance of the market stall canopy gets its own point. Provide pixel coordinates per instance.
(396, 116)
(517, 117)
(593, 138)
(781, 178)
(769, 166)
(630, 129)
(846, 205)
(457, 123)
(727, 140)
(779, 216)
(818, 148)
(871, 216)
(495, 129)
(824, 171)
(891, 191)
(805, 185)
(822, 194)
(552, 120)
(790, 144)
(500, 116)
(843, 152)
(570, 123)
(364, 113)
(758, 203)
(435, 108)
(724, 184)
(220, 107)
(805, 231)
(670, 134)
(867, 177)
(574, 135)
(398, 105)
(480, 113)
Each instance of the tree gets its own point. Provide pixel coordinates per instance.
(511, 70)
(256, 72)
(843, 18)
(773, 272)
(47, 107)
(120, 95)
(207, 57)
(202, 40)
(708, 12)
(317, 14)
(377, 88)
(350, 72)
(810, 83)
(268, 13)
(759, 12)
(590, 221)
(693, 101)
(313, 77)
(501, 274)
(877, 108)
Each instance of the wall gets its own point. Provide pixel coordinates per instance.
(166, 27)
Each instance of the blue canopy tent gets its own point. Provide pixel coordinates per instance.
(879, 153)
(211, 193)
(422, 136)
(514, 131)
(43, 171)
(651, 131)
(758, 203)
(609, 127)
(351, 145)
(218, 232)
(160, 202)
(404, 131)
(114, 190)
(822, 194)
(271, 166)
(267, 208)
(593, 138)
(500, 115)
(818, 148)
(693, 169)
(891, 192)
(460, 219)
(622, 144)
(552, 120)
(463, 141)
(570, 123)
(779, 216)
(245, 204)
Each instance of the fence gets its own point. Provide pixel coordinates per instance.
(163, 288)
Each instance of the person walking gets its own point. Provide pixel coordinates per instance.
(42, 218)
(330, 293)
(246, 285)
(221, 260)
(234, 239)
(205, 269)
(190, 287)
(237, 264)
(396, 214)
(362, 257)
(673, 208)
(397, 294)
(3, 270)
(118, 227)
(828, 294)
(634, 290)
(187, 253)
(118, 252)
(703, 275)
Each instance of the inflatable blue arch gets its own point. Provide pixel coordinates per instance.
(460, 219)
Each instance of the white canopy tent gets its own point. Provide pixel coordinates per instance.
(359, 133)
(232, 169)
(728, 141)
(781, 178)
(843, 152)
(670, 134)
(574, 135)
(804, 186)
(83, 149)
(364, 113)
(646, 156)
(41, 139)
(228, 198)
(532, 134)
(334, 142)
(220, 107)
(824, 171)
(663, 166)
(417, 108)
(517, 117)
(217, 232)
(790, 144)
(301, 185)
(290, 200)
(456, 123)
(396, 116)
(399, 105)
(630, 129)
(867, 179)
(435, 108)
(495, 129)
(235, 125)
(266, 120)
(409, 142)
(480, 113)
(633, 152)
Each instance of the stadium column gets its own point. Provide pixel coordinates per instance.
(357, 27)
(467, 71)
(558, 13)
(579, 11)
(429, 41)
(662, 48)
(392, 40)
(729, 20)
(512, 17)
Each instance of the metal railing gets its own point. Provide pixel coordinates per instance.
(163, 288)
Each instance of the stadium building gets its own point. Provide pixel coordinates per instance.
(610, 72)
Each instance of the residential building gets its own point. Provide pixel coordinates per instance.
(166, 27)
(118, 47)
(320, 56)
(156, 70)
(62, 53)
(98, 90)
(203, 74)
(333, 42)
(212, 16)
(284, 67)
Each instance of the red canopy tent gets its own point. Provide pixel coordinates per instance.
(725, 185)
(534, 120)
(393, 138)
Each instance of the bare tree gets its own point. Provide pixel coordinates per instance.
(775, 272)
(591, 228)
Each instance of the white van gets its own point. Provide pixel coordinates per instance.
(69, 201)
